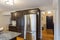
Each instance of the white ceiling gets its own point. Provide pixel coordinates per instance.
(23, 4)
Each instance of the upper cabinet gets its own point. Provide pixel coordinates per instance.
(16, 15)
(13, 16)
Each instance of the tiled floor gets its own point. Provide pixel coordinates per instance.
(47, 36)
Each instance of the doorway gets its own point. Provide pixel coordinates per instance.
(47, 25)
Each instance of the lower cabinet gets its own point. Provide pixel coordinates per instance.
(13, 38)
(12, 28)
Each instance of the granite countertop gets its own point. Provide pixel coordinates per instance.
(8, 35)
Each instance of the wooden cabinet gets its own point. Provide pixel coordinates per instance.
(13, 16)
(13, 38)
(13, 28)
(19, 18)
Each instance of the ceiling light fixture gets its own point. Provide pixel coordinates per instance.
(9, 2)
(49, 12)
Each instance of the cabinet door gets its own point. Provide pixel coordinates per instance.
(13, 38)
(12, 28)
(13, 16)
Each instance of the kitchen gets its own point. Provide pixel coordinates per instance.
(20, 19)
(23, 25)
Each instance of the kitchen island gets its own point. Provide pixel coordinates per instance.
(8, 35)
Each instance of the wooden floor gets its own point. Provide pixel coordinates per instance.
(19, 38)
(47, 35)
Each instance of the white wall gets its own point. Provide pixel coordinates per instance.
(57, 24)
(58, 19)
(4, 19)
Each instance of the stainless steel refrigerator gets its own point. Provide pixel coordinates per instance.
(30, 27)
